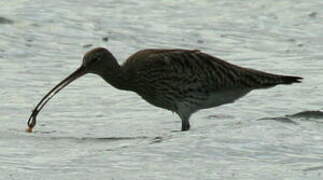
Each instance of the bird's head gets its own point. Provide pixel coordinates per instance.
(98, 61)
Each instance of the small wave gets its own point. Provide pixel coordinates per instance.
(5, 21)
(313, 168)
(279, 119)
(219, 116)
(157, 139)
(315, 115)
(99, 138)
(308, 114)
(114, 138)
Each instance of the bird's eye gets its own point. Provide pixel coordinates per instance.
(95, 59)
(90, 61)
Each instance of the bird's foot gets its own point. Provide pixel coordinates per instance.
(186, 126)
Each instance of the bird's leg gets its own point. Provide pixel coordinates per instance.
(185, 121)
(185, 124)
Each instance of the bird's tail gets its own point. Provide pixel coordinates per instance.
(290, 79)
(261, 79)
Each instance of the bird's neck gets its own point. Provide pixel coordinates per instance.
(117, 78)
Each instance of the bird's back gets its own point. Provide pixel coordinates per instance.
(164, 77)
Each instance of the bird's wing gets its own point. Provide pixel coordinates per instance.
(188, 68)
(201, 70)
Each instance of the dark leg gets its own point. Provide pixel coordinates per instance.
(185, 125)
(185, 121)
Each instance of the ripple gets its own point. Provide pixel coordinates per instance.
(304, 115)
(4, 20)
(279, 119)
(308, 115)
(89, 139)
(313, 168)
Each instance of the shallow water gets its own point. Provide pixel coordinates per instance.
(93, 131)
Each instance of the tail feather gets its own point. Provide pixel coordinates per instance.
(291, 79)
(273, 80)
(259, 79)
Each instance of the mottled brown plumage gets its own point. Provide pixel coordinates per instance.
(182, 81)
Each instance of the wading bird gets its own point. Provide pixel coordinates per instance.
(182, 81)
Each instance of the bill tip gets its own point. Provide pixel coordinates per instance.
(29, 129)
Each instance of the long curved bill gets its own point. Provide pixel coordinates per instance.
(75, 75)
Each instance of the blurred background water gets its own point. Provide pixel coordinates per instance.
(93, 131)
